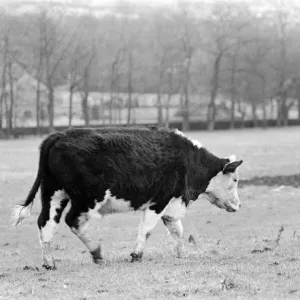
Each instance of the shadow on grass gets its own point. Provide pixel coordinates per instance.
(287, 180)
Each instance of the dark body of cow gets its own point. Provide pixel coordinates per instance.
(158, 171)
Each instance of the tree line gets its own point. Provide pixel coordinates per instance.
(247, 54)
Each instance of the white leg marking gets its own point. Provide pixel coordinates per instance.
(51, 226)
(47, 232)
(175, 230)
(175, 210)
(148, 221)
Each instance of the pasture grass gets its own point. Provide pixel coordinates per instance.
(235, 255)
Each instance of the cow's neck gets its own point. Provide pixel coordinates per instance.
(202, 167)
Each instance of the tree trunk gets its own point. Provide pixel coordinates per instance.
(254, 115)
(211, 111)
(232, 88)
(11, 102)
(85, 105)
(85, 109)
(158, 97)
(286, 111)
(3, 91)
(6, 112)
(38, 107)
(134, 115)
(51, 108)
(1, 111)
(185, 119)
(2, 96)
(111, 108)
(279, 112)
(232, 98)
(38, 89)
(285, 115)
(159, 110)
(129, 86)
(211, 116)
(129, 108)
(298, 98)
(232, 119)
(265, 121)
(167, 108)
(243, 113)
(71, 92)
(167, 116)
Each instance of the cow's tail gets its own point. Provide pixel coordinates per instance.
(22, 211)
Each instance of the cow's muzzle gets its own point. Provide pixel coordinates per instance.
(230, 208)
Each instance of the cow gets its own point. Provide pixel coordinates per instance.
(158, 171)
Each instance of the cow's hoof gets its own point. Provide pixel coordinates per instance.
(98, 261)
(48, 267)
(97, 256)
(136, 257)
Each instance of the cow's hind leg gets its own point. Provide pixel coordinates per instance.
(175, 230)
(148, 222)
(78, 221)
(54, 201)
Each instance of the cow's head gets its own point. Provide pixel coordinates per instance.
(222, 189)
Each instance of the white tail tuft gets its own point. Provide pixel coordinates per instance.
(20, 213)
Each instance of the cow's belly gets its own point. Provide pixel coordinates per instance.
(176, 208)
(112, 204)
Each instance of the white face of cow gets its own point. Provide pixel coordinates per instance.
(222, 189)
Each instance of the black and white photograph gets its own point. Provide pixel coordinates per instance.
(149, 149)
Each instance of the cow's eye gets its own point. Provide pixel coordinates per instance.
(235, 180)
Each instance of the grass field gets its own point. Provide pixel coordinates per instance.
(236, 255)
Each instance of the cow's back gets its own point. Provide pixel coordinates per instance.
(143, 163)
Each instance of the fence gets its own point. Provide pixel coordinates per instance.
(194, 126)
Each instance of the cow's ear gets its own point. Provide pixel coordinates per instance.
(232, 166)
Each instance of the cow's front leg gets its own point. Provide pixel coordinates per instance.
(175, 229)
(148, 221)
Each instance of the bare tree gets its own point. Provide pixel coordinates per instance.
(188, 44)
(39, 72)
(3, 96)
(256, 75)
(225, 39)
(76, 61)
(163, 44)
(114, 80)
(55, 43)
(217, 47)
(7, 98)
(131, 41)
(233, 90)
(283, 15)
(173, 88)
(86, 87)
